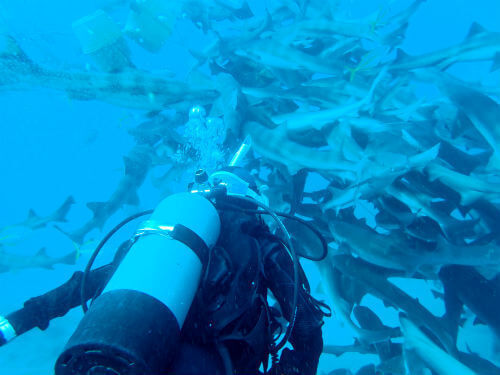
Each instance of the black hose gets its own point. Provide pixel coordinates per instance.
(295, 261)
(83, 296)
(318, 234)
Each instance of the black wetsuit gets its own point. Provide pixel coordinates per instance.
(230, 325)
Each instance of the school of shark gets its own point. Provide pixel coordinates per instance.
(324, 97)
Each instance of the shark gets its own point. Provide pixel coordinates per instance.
(343, 307)
(376, 175)
(34, 221)
(204, 13)
(421, 204)
(137, 165)
(130, 88)
(370, 28)
(10, 262)
(390, 353)
(318, 119)
(479, 45)
(273, 53)
(431, 354)
(374, 280)
(396, 251)
(275, 145)
(482, 111)
(463, 285)
(471, 187)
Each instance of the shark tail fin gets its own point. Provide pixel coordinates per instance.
(496, 62)
(42, 254)
(75, 238)
(421, 160)
(69, 258)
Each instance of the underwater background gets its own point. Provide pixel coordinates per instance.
(57, 143)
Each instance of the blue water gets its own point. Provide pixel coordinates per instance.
(52, 146)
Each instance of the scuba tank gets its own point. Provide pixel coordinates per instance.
(134, 326)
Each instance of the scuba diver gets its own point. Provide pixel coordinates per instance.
(189, 292)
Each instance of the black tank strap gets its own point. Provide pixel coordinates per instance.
(177, 232)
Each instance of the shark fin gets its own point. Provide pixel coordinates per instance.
(496, 62)
(42, 253)
(32, 214)
(133, 199)
(475, 29)
(400, 56)
(10, 48)
(75, 237)
(96, 207)
(244, 12)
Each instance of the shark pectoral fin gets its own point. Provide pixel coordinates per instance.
(496, 62)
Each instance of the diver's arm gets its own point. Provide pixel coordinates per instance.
(38, 311)
(306, 336)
